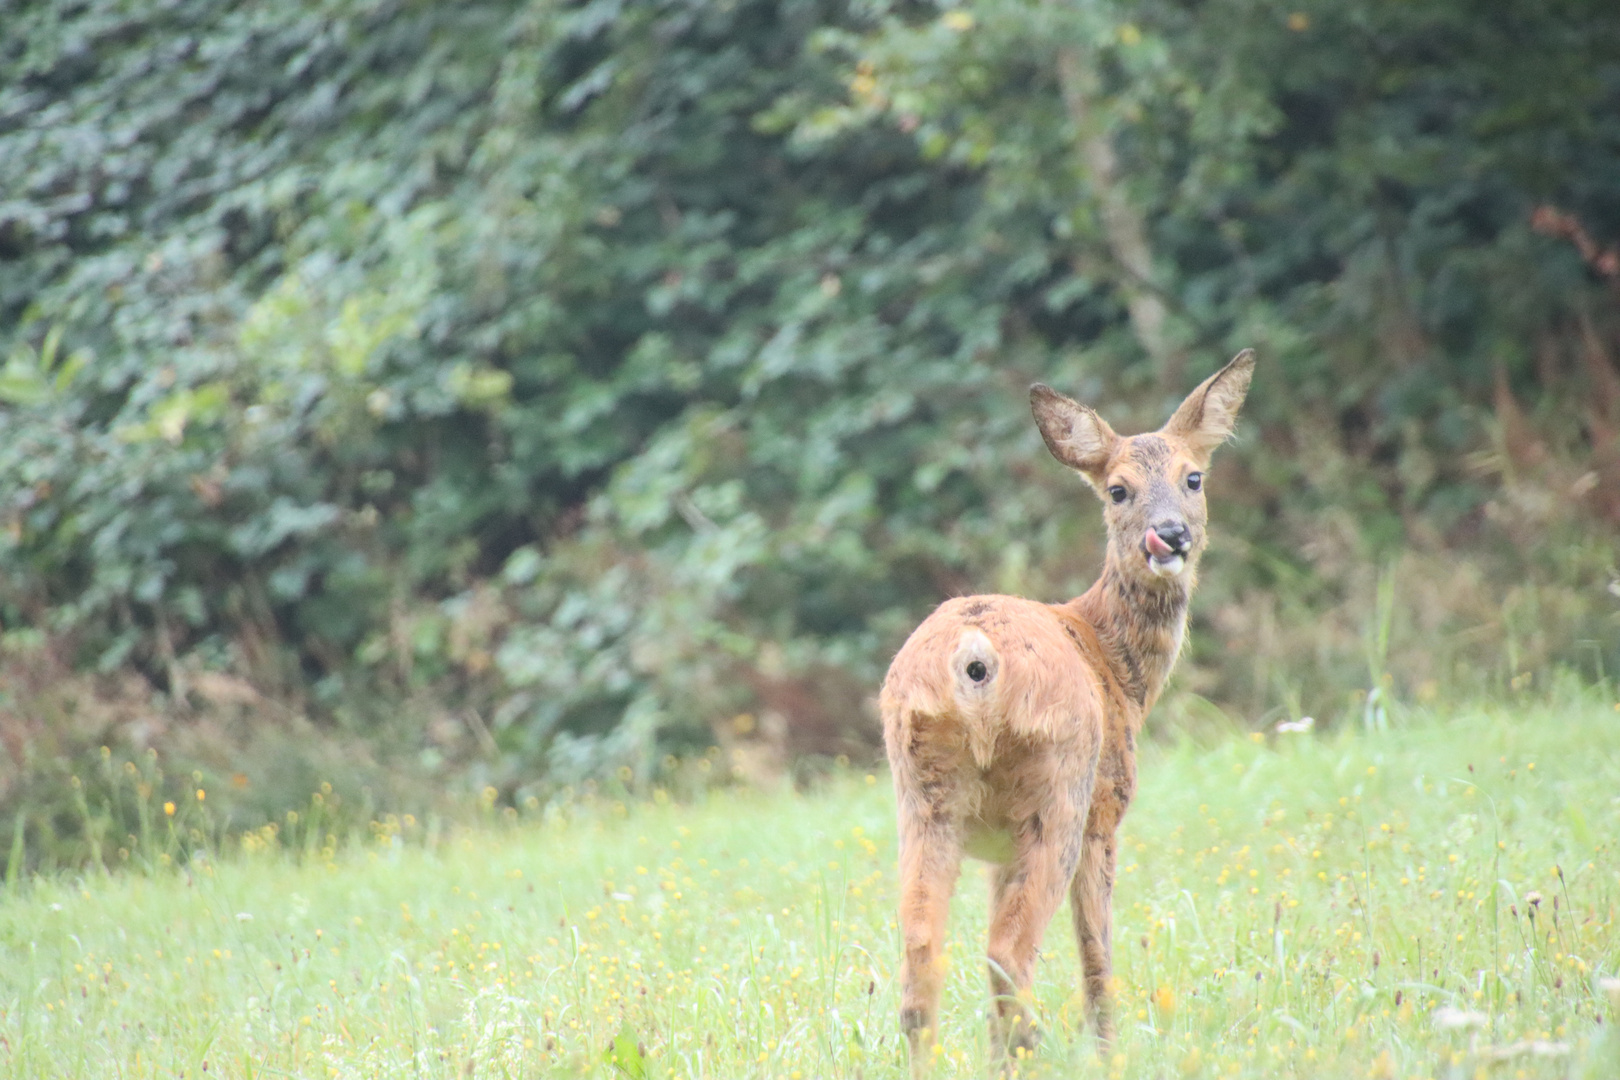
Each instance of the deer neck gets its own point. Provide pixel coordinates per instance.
(1141, 625)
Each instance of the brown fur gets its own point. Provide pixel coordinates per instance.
(1011, 724)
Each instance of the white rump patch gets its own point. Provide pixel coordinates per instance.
(974, 664)
(974, 667)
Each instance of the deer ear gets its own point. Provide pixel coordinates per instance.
(1207, 417)
(1078, 437)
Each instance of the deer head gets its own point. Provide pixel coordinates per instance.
(1151, 485)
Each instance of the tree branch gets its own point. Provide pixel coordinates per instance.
(1123, 226)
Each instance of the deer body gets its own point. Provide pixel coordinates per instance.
(1011, 724)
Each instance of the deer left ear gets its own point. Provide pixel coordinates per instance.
(1207, 417)
(1076, 435)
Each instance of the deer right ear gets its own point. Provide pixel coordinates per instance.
(1207, 417)
(1078, 437)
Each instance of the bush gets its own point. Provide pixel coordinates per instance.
(623, 379)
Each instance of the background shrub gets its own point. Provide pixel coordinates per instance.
(529, 389)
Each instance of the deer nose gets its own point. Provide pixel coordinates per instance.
(1174, 535)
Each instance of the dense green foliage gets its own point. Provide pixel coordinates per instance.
(600, 372)
(1434, 901)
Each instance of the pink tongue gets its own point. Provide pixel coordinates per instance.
(1158, 548)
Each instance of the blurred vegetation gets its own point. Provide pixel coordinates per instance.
(507, 391)
(1434, 901)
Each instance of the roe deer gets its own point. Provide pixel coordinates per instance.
(1011, 725)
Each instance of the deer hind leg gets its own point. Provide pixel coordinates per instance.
(930, 859)
(1025, 894)
(1091, 898)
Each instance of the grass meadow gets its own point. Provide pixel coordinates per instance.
(1435, 900)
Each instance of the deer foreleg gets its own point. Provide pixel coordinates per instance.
(1091, 900)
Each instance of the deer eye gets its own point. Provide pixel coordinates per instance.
(1195, 481)
(1117, 493)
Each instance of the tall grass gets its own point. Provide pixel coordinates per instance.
(1437, 899)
